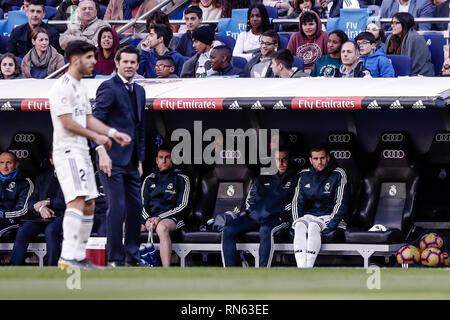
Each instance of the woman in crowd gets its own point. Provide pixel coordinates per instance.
(9, 67)
(406, 41)
(108, 42)
(327, 65)
(377, 30)
(310, 43)
(248, 42)
(42, 59)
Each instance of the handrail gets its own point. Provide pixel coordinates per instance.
(119, 31)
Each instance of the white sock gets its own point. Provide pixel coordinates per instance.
(314, 244)
(85, 232)
(71, 232)
(300, 244)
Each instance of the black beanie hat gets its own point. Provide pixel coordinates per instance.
(204, 34)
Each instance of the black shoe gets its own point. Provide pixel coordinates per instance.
(136, 264)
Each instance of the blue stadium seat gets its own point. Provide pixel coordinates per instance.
(374, 10)
(1, 14)
(3, 43)
(436, 42)
(229, 41)
(49, 12)
(402, 64)
(299, 63)
(102, 11)
(52, 3)
(273, 14)
(284, 40)
(239, 62)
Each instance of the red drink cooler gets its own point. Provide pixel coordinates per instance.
(96, 250)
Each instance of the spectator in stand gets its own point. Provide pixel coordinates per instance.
(9, 67)
(327, 65)
(377, 30)
(374, 60)
(42, 59)
(128, 9)
(165, 67)
(278, 4)
(442, 10)
(417, 8)
(88, 27)
(16, 189)
(248, 43)
(212, 10)
(46, 206)
(281, 66)
(228, 5)
(446, 68)
(298, 7)
(310, 43)
(156, 45)
(67, 10)
(259, 65)
(220, 60)
(351, 66)
(199, 65)
(406, 41)
(108, 43)
(19, 42)
(193, 16)
(331, 8)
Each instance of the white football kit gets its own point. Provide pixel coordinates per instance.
(71, 157)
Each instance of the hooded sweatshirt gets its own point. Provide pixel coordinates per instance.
(309, 49)
(105, 65)
(378, 65)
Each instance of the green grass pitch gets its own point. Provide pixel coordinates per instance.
(218, 283)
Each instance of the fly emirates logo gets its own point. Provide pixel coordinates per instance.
(327, 103)
(188, 104)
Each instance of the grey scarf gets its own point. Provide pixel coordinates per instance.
(43, 61)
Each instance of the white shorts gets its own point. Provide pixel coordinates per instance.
(76, 175)
(322, 221)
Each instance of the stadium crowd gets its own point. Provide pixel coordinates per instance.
(36, 49)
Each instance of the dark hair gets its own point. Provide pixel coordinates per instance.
(194, 9)
(284, 57)
(78, 48)
(354, 44)
(297, 4)
(366, 36)
(380, 29)
(340, 34)
(164, 147)
(265, 22)
(224, 51)
(126, 49)
(156, 17)
(167, 58)
(38, 3)
(305, 17)
(319, 147)
(38, 30)
(272, 34)
(164, 31)
(396, 41)
(17, 70)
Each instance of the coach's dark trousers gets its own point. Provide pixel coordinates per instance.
(123, 197)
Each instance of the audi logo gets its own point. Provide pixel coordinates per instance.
(442, 137)
(334, 138)
(393, 154)
(300, 161)
(230, 154)
(22, 137)
(392, 137)
(293, 138)
(341, 154)
(21, 154)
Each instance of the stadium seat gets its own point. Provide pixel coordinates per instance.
(1, 14)
(102, 11)
(228, 41)
(433, 201)
(239, 62)
(223, 188)
(283, 42)
(388, 194)
(28, 148)
(436, 43)
(299, 63)
(402, 64)
(49, 12)
(273, 14)
(374, 10)
(52, 3)
(3, 43)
